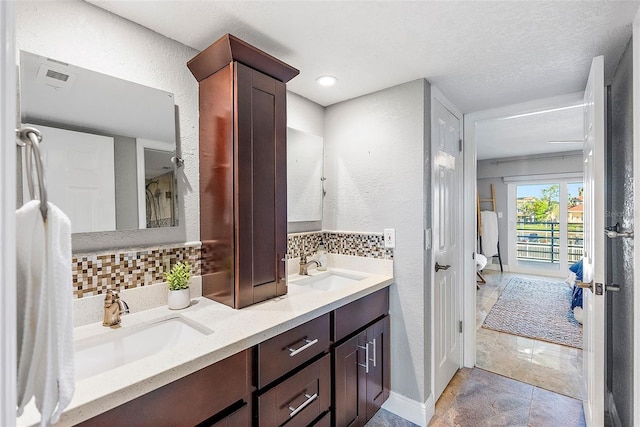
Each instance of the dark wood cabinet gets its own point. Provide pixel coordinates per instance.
(290, 349)
(191, 400)
(361, 361)
(350, 382)
(298, 400)
(378, 378)
(243, 183)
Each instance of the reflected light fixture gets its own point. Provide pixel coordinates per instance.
(567, 142)
(326, 80)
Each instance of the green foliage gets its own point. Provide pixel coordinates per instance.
(179, 276)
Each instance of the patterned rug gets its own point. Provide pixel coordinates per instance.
(536, 309)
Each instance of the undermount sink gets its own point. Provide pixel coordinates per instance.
(328, 281)
(105, 352)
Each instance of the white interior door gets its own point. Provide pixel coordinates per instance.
(594, 244)
(79, 169)
(447, 243)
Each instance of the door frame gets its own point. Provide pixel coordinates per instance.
(436, 94)
(636, 214)
(469, 209)
(7, 214)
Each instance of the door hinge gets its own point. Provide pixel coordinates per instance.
(460, 326)
(460, 145)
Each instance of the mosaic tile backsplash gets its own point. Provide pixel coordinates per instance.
(93, 274)
(369, 245)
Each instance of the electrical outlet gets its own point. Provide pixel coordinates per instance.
(499, 214)
(389, 237)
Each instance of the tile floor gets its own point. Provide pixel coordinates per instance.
(553, 367)
(476, 397)
(518, 381)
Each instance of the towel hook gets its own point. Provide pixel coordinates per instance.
(30, 139)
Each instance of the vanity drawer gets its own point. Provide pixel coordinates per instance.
(355, 315)
(187, 401)
(291, 349)
(325, 421)
(298, 400)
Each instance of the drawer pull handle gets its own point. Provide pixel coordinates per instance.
(308, 344)
(306, 403)
(366, 358)
(374, 353)
(285, 260)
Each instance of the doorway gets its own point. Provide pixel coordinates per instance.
(537, 199)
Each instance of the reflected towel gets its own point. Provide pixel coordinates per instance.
(45, 311)
(489, 233)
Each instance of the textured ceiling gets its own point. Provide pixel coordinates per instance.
(481, 54)
(529, 133)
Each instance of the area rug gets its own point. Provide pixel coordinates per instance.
(536, 309)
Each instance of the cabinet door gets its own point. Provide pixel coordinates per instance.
(350, 382)
(378, 378)
(240, 418)
(261, 186)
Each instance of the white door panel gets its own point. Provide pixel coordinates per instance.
(594, 245)
(447, 188)
(79, 169)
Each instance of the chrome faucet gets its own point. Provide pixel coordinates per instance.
(304, 265)
(114, 308)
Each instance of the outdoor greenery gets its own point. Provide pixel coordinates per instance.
(179, 276)
(546, 208)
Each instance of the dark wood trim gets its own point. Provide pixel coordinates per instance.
(229, 48)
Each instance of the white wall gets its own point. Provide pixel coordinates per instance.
(87, 36)
(374, 164)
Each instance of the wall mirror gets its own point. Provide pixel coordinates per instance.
(304, 176)
(107, 145)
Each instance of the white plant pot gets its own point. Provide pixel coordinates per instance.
(179, 299)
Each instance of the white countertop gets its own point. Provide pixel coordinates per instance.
(233, 331)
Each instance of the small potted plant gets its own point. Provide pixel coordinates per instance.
(178, 280)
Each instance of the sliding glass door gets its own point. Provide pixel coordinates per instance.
(548, 231)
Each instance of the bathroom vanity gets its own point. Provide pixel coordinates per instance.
(318, 354)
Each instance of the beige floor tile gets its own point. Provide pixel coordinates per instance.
(550, 366)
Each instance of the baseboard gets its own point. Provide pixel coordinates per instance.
(613, 412)
(496, 267)
(416, 412)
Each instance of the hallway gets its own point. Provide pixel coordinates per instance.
(553, 367)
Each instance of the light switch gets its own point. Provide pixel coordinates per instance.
(389, 237)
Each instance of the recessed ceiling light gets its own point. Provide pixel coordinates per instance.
(567, 142)
(326, 80)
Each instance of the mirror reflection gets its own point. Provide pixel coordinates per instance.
(107, 145)
(304, 176)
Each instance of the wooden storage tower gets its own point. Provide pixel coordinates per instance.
(243, 180)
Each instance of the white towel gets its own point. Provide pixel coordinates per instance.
(481, 262)
(45, 311)
(489, 233)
